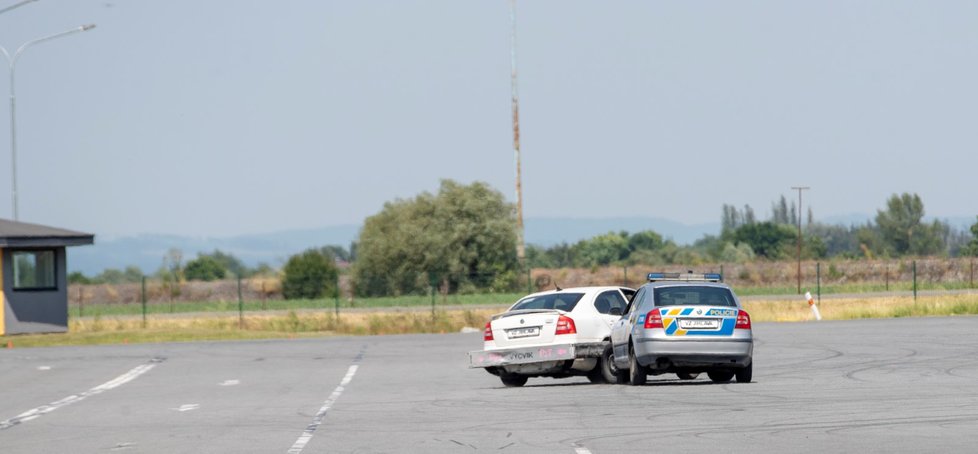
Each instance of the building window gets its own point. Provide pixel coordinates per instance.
(34, 270)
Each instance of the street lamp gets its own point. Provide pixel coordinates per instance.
(12, 61)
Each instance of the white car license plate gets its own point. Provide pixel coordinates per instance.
(529, 331)
(699, 323)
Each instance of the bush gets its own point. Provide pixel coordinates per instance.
(309, 275)
(204, 268)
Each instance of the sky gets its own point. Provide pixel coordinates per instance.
(231, 117)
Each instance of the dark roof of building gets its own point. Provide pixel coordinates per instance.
(22, 234)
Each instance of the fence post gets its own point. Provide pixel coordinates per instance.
(915, 281)
(721, 273)
(336, 301)
(971, 283)
(143, 293)
(240, 305)
(886, 274)
(818, 281)
(626, 276)
(81, 301)
(529, 283)
(432, 305)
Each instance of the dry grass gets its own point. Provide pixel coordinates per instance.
(318, 324)
(795, 310)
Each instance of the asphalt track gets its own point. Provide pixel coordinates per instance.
(905, 385)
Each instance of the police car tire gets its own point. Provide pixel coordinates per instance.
(513, 380)
(606, 370)
(637, 374)
(721, 376)
(746, 374)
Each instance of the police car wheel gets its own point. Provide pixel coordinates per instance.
(606, 370)
(513, 380)
(744, 375)
(637, 374)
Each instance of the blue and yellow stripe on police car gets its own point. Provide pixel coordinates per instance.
(671, 326)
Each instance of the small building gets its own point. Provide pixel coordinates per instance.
(34, 277)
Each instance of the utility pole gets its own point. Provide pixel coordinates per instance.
(520, 246)
(799, 189)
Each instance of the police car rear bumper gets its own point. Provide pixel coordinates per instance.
(691, 353)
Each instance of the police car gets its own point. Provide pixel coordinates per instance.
(558, 333)
(686, 324)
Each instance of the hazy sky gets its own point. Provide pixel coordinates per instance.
(223, 117)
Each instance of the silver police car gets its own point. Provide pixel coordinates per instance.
(686, 324)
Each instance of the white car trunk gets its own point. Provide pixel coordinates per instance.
(525, 328)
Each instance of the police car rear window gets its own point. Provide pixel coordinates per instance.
(559, 301)
(694, 296)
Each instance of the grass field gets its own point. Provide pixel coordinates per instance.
(293, 324)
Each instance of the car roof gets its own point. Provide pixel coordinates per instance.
(578, 290)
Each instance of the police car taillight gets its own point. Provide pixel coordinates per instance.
(565, 325)
(653, 319)
(487, 336)
(743, 320)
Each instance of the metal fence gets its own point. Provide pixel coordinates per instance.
(155, 296)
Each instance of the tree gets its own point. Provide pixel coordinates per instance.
(77, 277)
(228, 262)
(645, 240)
(902, 228)
(603, 249)
(204, 268)
(309, 275)
(461, 238)
(972, 247)
(766, 239)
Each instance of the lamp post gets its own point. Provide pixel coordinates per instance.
(12, 61)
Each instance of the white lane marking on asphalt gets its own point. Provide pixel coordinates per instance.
(578, 449)
(35, 413)
(307, 434)
(229, 383)
(43, 367)
(187, 407)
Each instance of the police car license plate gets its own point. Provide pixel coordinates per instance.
(529, 331)
(699, 323)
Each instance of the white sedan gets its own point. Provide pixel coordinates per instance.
(558, 333)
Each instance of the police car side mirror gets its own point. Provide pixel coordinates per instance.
(615, 311)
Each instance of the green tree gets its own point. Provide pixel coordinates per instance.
(902, 228)
(463, 237)
(972, 247)
(77, 277)
(603, 249)
(204, 268)
(309, 275)
(228, 262)
(766, 239)
(645, 240)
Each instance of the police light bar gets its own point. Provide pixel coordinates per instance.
(704, 277)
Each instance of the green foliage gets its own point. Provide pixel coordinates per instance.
(228, 262)
(77, 277)
(462, 237)
(204, 268)
(766, 239)
(902, 229)
(972, 247)
(603, 249)
(309, 275)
